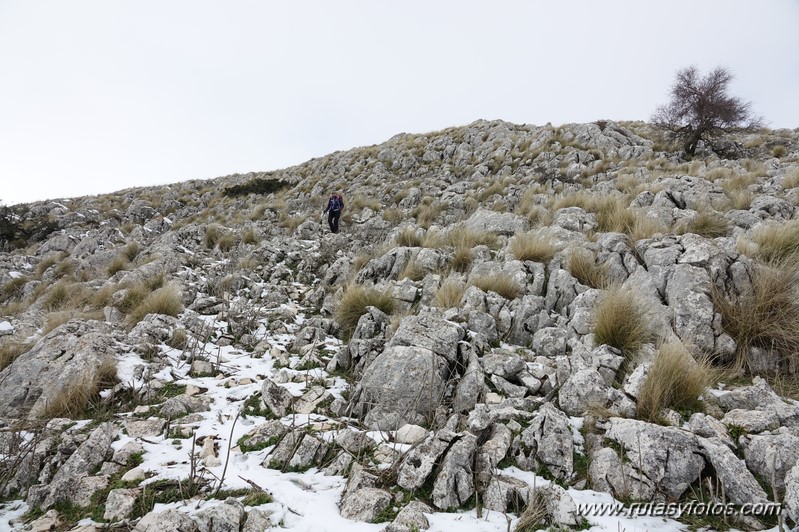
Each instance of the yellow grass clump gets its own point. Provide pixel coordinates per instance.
(676, 380)
(502, 284)
(354, 302)
(536, 247)
(449, 294)
(621, 321)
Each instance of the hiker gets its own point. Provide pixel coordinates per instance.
(335, 205)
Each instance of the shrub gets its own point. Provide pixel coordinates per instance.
(19, 227)
(256, 186)
(676, 380)
(621, 321)
(502, 284)
(354, 302)
(777, 242)
(449, 294)
(532, 246)
(583, 266)
(166, 300)
(767, 316)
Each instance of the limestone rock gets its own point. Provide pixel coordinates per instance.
(70, 354)
(454, 484)
(169, 520)
(225, 517)
(387, 401)
(365, 504)
(65, 484)
(120, 504)
(740, 487)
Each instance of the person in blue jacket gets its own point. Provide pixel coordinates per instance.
(335, 206)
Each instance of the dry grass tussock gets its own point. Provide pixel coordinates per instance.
(740, 200)
(736, 189)
(449, 294)
(766, 317)
(426, 213)
(535, 246)
(621, 321)
(462, 237)
(412, 271)
(613, 213)
(354, 302)
(409, 237)
(535, 515)
(715, 174)
(502, 284)
(708, 224)
(791, 179)
(461, 260)
(583, 266)
(777, 243)
(13, 289)
(291, 223)
(82, 395)
(66, 296)
(250, 236)
(10, 351)
(166, 300)
(615, 216)
(676, 380)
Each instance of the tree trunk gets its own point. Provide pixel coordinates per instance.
(692, 141)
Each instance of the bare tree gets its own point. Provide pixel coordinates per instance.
(701, 109)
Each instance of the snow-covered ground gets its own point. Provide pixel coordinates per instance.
(306, 501)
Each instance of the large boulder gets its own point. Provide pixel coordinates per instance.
(647, 459)
(70, 355)
(503, 223)
(89, 456)
(429, 332)
(403, 385)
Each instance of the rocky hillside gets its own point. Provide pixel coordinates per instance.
(514, 321)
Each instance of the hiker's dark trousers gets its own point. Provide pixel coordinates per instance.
(332, 220)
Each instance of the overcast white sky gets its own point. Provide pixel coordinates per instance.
(98, 95)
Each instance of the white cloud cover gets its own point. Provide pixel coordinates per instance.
(98, 96)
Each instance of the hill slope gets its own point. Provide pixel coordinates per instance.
(512, 317)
